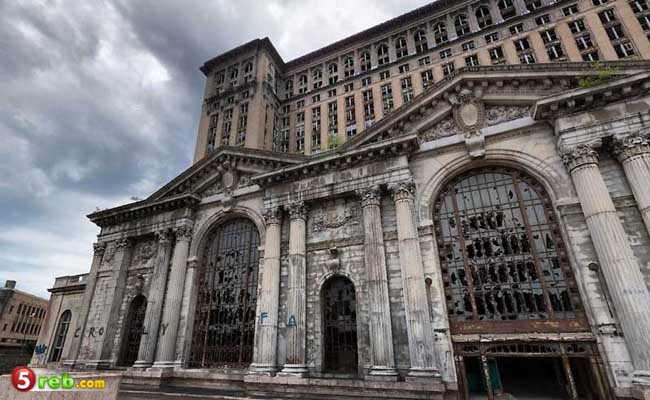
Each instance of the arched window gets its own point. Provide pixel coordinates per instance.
(420, 39)
(224, 321)
(440, 33)
(483, 17)
(365, 61)
(501, 251)
(401, 48)
(461, 25)
(317, 78)
(134, 327)
(507, 9)
(339, 326)
(382, 54)
(333, 73)
(60, 336)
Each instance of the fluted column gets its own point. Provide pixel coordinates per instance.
(418, 319)
(147, 351)
(619, 265)
(173, 298)
(296, 363)
(265, 358)
(382, 357)
(633, 152)
(80, 327)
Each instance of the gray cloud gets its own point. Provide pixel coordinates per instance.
(101, 102)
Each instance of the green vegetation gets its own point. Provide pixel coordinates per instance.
(334, 142)
(604, 75)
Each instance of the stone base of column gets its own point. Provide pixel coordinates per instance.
(263, 369)
(420, 374)
(97, 364)
(382, 373)
(141, 364)
(69, 364)
(162, 366)
(299, 370)
(641, 378)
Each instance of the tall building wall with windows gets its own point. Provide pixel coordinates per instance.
(256, 100)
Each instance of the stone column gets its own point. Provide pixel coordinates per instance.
(265, 358)
(418, 319)
(495, 12)
(633, 152)
(89, 292)
(147, 351)
(296, 363)
(382, 357)
(165, 353)
(451, 29)
(618, 263)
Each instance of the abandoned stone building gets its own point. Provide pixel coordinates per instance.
(453, 203)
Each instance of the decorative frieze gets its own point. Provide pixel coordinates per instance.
(499, 114)
(323, 221)
(629, 146)
(444, 128)
(579, 155)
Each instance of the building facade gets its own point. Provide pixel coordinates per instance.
(21, 318)
(453, 203)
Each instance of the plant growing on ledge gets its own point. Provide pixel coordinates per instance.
(334, 142)
(603, 76)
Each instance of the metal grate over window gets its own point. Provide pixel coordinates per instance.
(501, 250)
(340, 326)
(224, 325)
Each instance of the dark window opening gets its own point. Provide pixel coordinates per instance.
(133, 331)
(339, 326)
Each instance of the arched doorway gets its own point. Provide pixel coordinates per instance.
(224, 321)
(339, 326)
(59, 338)
(133, 330)
(506, 273)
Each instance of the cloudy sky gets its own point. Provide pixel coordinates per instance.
(100, 103)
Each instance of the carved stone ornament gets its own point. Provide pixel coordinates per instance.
(370, 196)
(163, 236)
(139, 284)
(402, 190)
(582, 154)
(444, 128)
(99, 248)
(475, 143)
(629, 146)
(322, 221)
(273, 216)
(298, 210)
(469, 112)
(146, 250)
(183, 233)
(499, 114)
(228, 179)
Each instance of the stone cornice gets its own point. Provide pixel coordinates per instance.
(339, 159)
(581, 99)
(142, 209)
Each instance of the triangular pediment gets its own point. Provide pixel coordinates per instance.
(477, 97)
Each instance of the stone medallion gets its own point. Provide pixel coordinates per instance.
(469, 112)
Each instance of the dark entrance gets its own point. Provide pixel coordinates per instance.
(224, 323)
(133, 331)
(339, 326)
(530, 370)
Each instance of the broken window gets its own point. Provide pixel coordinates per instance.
(61, 333)
(340, 326)
(501, 250)
(224, 322)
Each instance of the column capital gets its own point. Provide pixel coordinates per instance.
(99, 248)
(402, 190)
(183, 233)
(370, 196)
(163, 236)
(629, 146)
(298, 210)
(272, 216)
(577, 156)
(123, 243)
